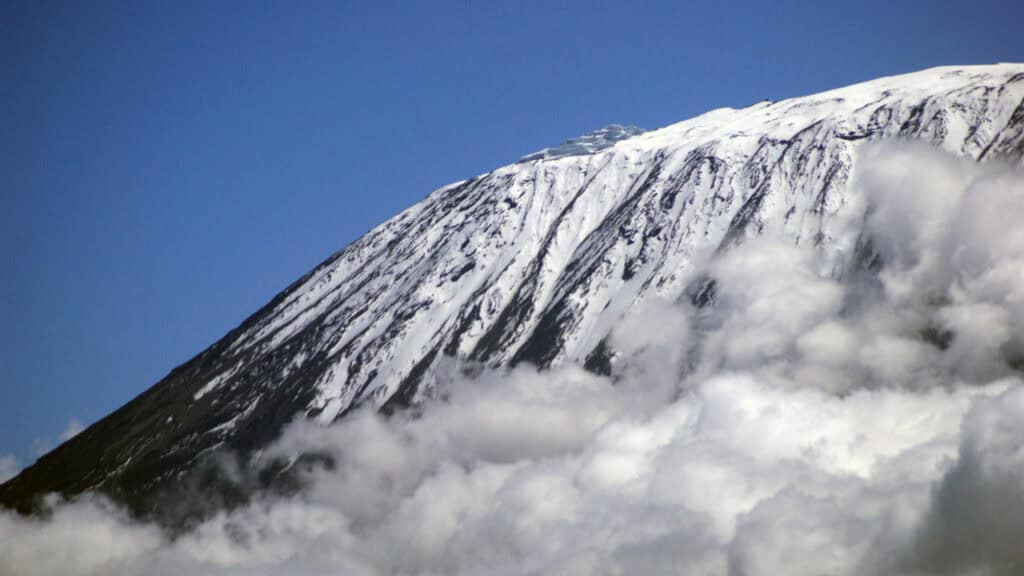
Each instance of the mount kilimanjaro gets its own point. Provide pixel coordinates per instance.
(533, 262)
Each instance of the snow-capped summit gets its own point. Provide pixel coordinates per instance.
(589, 143)
(531, 262)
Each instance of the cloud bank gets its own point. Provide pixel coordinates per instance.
(808, 421)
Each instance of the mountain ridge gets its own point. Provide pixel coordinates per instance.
(531, 262)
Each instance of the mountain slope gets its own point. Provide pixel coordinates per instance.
(532, 262)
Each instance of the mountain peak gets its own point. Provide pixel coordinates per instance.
(588, 143)
(498, 270)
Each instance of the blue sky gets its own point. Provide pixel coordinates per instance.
(169, 167)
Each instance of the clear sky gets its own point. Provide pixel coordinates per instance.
(168, 167)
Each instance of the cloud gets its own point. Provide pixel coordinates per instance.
(800, 424)
(735, 475)
(84, 537)
(41, 446)
(74, 427)
(978, 512)
(9, 467)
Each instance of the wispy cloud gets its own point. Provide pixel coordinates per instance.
(9, 467)
(41, 446)
(74, 427)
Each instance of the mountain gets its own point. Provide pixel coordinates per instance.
(532, 262)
